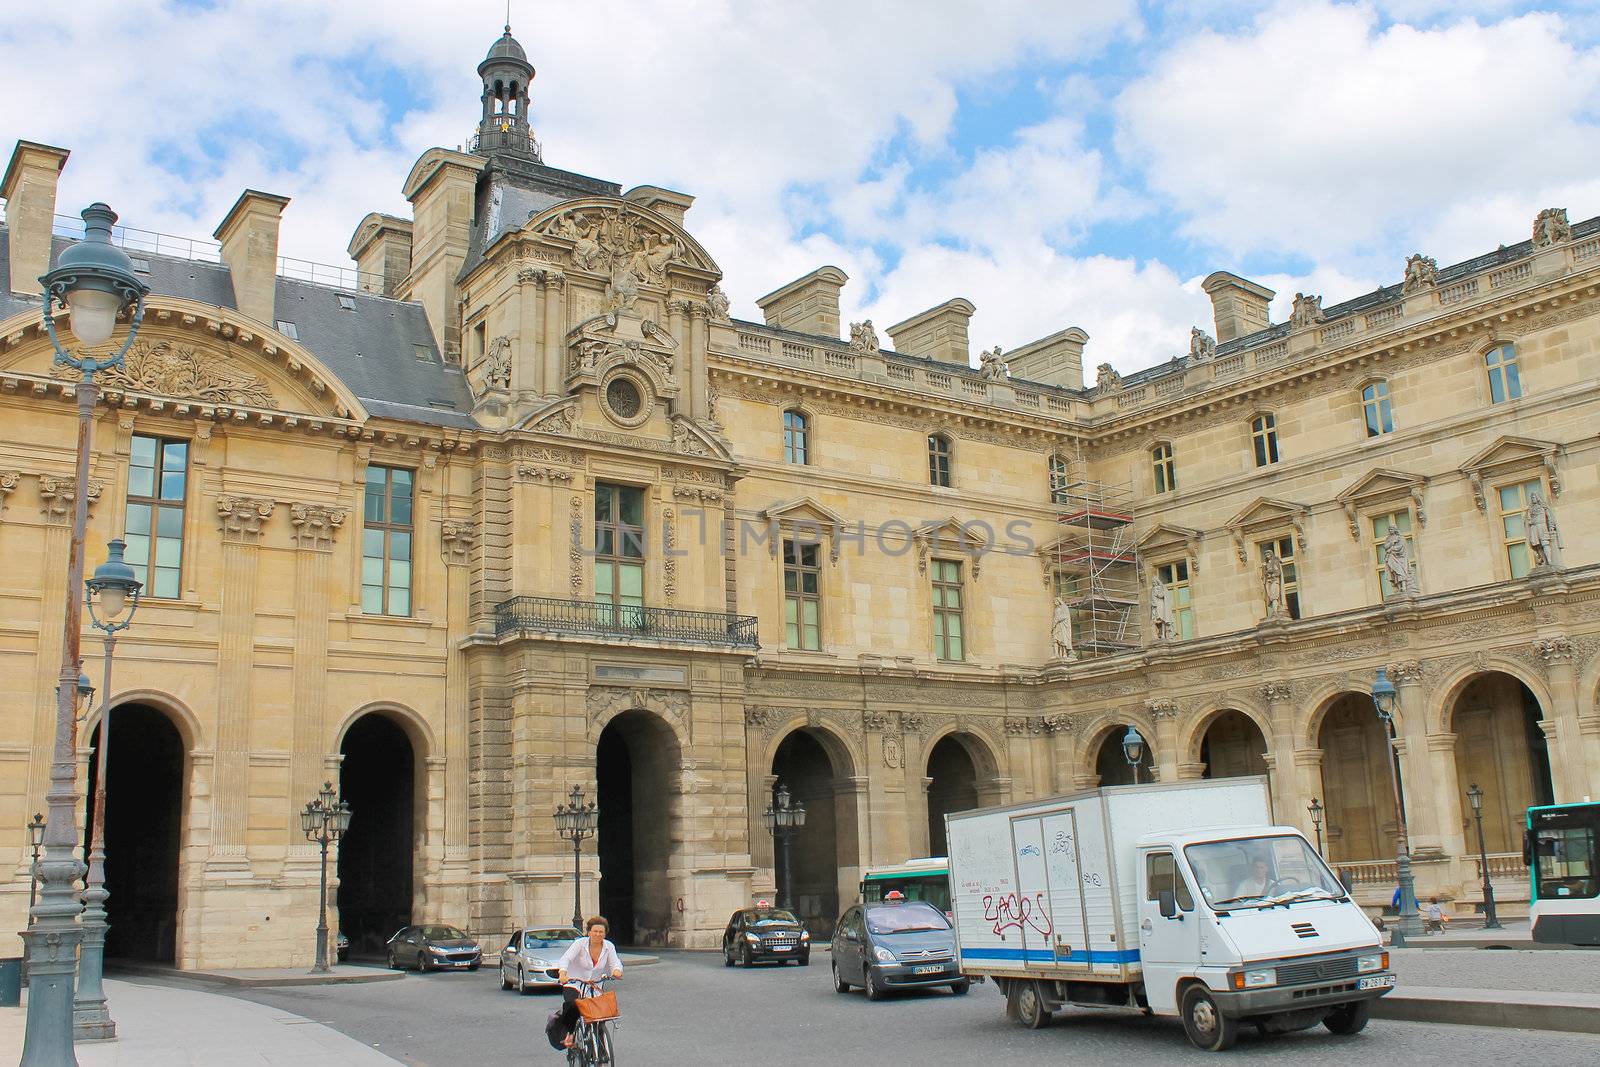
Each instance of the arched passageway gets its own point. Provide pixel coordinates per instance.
(1233, 746)
(823, 853)
(1500, 746)
(1112, 765)
(377, 855)
(952, 787)
(146, 785)
(635, 760)
(1358, 791)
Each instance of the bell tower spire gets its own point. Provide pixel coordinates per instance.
(506, 127)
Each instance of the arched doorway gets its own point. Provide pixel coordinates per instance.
(1111, 763)
(377, 778)
(952, 787)
(1358, 791)
(1500, 746)
(635, 759)
(823, 855)
(1233, 746)
(145, 788)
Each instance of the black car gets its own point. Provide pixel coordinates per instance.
(897, 944)
(434, 948)
(759, 934)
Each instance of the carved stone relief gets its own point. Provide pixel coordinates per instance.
(168, 368)
(457, 538)
(57, 495)
(314, 526)
(242, 517)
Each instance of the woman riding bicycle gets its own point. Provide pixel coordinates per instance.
(590, 959)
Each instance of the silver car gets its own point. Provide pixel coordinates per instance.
(531, 956)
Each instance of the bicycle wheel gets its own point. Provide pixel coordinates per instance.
(605, 1044)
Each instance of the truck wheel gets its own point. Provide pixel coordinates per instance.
(1031, 1008)
(1349, 1018)
(1204, 1022)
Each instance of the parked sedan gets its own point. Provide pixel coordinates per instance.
(434, 948)
(898, 944)
(763, 933)
(531, 957)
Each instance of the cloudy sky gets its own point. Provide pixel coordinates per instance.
(1058, 163)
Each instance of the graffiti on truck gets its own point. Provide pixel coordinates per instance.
(1010, 911)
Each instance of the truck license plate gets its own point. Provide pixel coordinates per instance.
(1378, 981)
(930, 968)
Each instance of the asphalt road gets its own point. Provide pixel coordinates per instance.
(689, 1010)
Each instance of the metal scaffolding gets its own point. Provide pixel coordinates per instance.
(1098, 565)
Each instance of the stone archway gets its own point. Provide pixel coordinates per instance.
(1357, 790)
(637, 756)
(1500, 746)
(1232, 746)
(379, 771)
(824, 857)
(1111, 763)
(952, 785)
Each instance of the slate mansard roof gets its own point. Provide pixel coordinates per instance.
(375, 348)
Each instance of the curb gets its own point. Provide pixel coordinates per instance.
(1518, 1010)
(256, 982)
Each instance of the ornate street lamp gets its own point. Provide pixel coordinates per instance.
(35, 839)
(94, 281)
(784, 820)
(112, 596)
(1491, 921)
(324, 820)
(575, 821)
(1133, 750)
(1315, 808)
(1386, 700)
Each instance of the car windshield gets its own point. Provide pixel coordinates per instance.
(904, 918)
(771, 917)
(1260, 872)
(553, 935)
(443, 933)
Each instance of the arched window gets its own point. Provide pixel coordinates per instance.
(796, 438)
(1165, 471)
(1058, 479)
(1504, 381)
(938, 460)
(1375, 406)
(1264, 436)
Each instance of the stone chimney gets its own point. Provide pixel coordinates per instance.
(666, 202)
(249, 236)
(807, 305)
(381, 247)
(1053, 360)
(29, 190)
(441, 188)
(940, 333)
(1239, 306)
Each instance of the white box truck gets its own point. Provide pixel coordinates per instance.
(1174, 899)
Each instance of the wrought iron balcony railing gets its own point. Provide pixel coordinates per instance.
(591, 619)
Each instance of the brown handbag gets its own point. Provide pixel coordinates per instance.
(598, 1008)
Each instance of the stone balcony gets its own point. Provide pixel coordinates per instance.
(536, 616)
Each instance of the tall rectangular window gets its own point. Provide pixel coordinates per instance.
(802, 596)
(619, 555)
(1264, 434)
(386, 537)
(1380, 534)
(1504, 381)
(1514, 525)
(1283, 548)
(158, 478)
(1060, 478)
(1175, 576)
(1166, 471)
(796, 438)
(948, 637)
(939, 460)
(1375, 408)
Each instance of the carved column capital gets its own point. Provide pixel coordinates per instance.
(1160, 710)
(1555, 649)
(912, 722)
(457, 538)
(1277, 692)
(1407, 672)
(8, 483)
(240, 518)
(315, 525)
(56, 496)
(876, 720)
(697, 310)
(1058, 724)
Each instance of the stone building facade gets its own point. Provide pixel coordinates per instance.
(519, 506)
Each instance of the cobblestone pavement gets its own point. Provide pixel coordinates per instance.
(1552, 970)
(689, 1009)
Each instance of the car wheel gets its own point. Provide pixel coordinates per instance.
(805, 961)
(1031, 1010)
(875, 990)
(474, 966)
(727, 955)
(422, 963)
(839, 984)
(1349, 1018)
(394, 964)
(960, 988)
(749, 957)
(505, 983)
(1204, 1022)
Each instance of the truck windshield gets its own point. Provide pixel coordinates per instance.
(1259, 872)
(1566, 852)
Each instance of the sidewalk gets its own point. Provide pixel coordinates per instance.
(164, 1026)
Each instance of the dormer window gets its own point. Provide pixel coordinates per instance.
(287, 328)
(347, 302)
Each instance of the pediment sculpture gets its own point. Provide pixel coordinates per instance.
(992, 365)
(1421, 272)
(1551, 227)
(1202, 346)
(863, 337)
(1307, 311)
(169, 368)
(619, 242)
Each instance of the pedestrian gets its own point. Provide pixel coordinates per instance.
(1435, 916)
(589, 960)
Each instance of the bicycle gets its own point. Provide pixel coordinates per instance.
(593, 1041)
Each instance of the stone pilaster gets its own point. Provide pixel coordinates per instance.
(1165, 714)
(314, 529)
(885, 754)
(1573, 780)
(1418, 780)
(555, 328)
(458, 539)
(1063, 753)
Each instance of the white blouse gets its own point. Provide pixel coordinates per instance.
(578, 964)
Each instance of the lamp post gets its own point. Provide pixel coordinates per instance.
(35, 838)
(1133, 750)
(1315, 808)
(324, 820)
(784, 819)
(575, 821)
(94, 281)
(112, 596)
(1407, 924)
(1491, 921)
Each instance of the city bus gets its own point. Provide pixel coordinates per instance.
(1562, 851)
(923, 879)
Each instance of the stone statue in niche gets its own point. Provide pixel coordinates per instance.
(863, 338)
(1061, 632)
(718, 302)
(497, 364)
(1421, 272)
(1272, 584)
(992, 364)
(1551, 227)
(1161, 619)
(1202, 346)
(1397, 564)
(1544, 536)
(622, 292)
